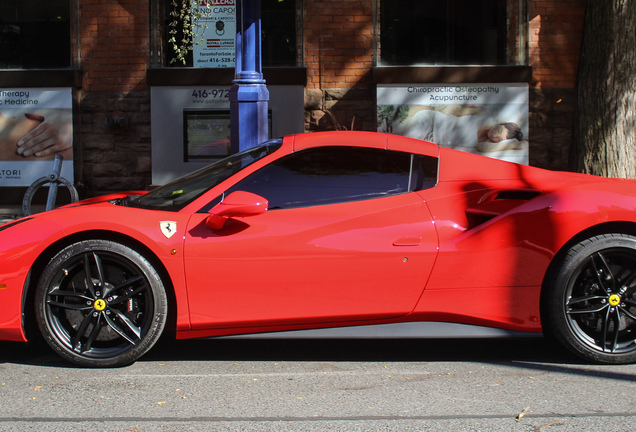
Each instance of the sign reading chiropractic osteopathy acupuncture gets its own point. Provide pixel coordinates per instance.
(215, 46)
(35, 125)
(487, 119)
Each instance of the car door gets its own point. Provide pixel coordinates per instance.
(345, 239)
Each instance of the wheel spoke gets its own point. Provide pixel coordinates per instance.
(605, 324)
(572, 302)
(93, 335)
(90, 285)
(136, 330)
(587, 311)
(628, 313)
(128, 283)
(59, 292)
(629, 280)
(76, 342)
(79, 305)
(604, 274)
(69, 306)
(577, 300)
(629, 302)
(617, 326)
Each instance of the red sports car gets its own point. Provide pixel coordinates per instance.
(344, 234)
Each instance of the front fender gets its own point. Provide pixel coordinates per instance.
(20, 246)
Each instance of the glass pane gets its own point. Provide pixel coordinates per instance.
(177, 194)
(35, 34)
(329, 175)
(278, 43)
(451, 32)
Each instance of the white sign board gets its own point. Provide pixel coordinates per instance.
(214, 46)
(35, 125)
(487, 119)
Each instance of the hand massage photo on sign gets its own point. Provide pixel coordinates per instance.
(496, 130)
(37, 134)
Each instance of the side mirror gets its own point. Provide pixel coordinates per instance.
(236, 204)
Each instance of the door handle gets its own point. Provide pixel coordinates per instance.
(408, 241)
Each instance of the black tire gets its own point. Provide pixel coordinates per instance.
(589, 301)
(100, 304)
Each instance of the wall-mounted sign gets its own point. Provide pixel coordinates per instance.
(214, 47)
(487, 119)
(35, 125)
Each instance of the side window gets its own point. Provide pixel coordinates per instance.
(330, 175)
(424, 172)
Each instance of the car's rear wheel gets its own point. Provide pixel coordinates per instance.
(589, 304)
(100, 304)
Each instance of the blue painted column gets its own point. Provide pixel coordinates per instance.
(248, 94)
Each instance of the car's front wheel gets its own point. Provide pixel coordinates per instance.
(100, 304)
(589, 302)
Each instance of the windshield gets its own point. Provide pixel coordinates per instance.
(181, 192)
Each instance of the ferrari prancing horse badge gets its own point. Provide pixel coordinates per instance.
(168, 228)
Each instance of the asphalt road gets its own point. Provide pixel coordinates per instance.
(248, 385)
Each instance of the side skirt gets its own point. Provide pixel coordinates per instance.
(415, 330)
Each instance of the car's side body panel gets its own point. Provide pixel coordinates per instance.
(343, 262)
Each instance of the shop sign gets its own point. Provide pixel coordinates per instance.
(487, 119)
(214, 45)
(35, 125)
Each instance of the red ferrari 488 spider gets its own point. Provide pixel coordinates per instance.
(344, 234)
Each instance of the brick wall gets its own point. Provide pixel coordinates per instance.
(554, 42)
(113, 53)
(339, 54)
(111, 48)
(339, 41)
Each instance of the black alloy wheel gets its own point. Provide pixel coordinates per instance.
(590, 304)
(100, 304)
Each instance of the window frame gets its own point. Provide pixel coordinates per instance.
(55, 17)
(413, 183)
(521, 48)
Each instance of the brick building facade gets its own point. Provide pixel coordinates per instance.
(114, 44)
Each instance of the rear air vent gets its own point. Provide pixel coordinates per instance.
(498, 203)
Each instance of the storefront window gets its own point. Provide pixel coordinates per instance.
(35, 34)
(216, 32)
(452, 32)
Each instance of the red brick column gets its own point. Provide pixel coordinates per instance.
(114, 44)
(338, 43)
(554, 40)
(555, 31)
(112, 51)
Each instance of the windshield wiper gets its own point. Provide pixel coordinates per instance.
(125, 201)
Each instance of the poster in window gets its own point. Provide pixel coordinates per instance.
(35, 125)
(206, 134)
(214, 43)
(486, 119)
